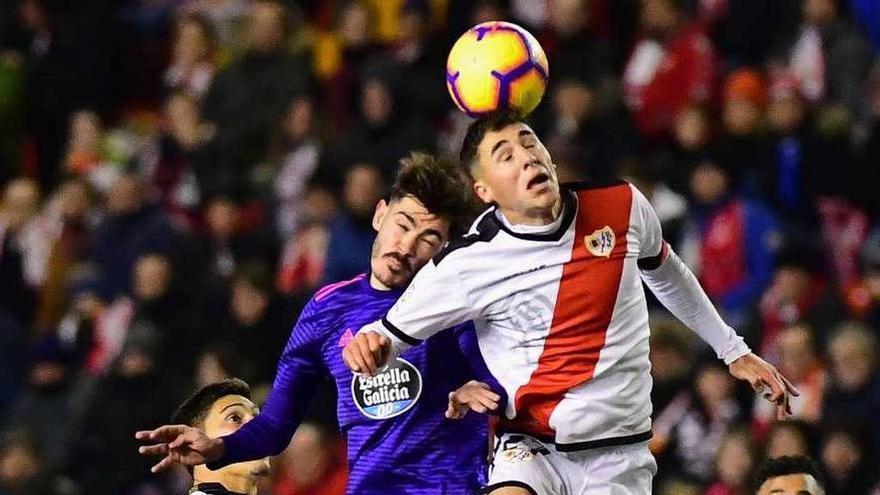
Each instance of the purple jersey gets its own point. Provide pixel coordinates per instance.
(398, 438)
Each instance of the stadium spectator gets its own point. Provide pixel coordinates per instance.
(730, 242)
(847, 459)
(21, 466)
(735, 462)
(853, 394)
(130, 229)
(799, 360)
(248, 98)
(789, 438)
(296, 154)
(688, 433)
(385, 130)
(789, 475)
(353, 225)
(192, 63)
(304, 255)
(671, 67)
(829, 57)
(19, 205)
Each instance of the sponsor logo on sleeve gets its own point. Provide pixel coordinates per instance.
(390, 393)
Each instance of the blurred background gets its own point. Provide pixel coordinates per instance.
(179, 176)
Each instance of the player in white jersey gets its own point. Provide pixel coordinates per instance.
(552, 278)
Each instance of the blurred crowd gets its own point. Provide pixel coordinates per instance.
(178, 176)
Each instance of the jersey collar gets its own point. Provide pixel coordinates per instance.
(569, 209)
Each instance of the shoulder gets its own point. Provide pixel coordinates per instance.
(484, 229)
(332, 293)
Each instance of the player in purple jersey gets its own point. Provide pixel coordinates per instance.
(399, 440)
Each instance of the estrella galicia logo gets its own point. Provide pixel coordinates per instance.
(392, 392)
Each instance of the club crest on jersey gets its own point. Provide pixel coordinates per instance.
(392, 392)
(600, 242)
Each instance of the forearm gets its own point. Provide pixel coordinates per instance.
(677, 288)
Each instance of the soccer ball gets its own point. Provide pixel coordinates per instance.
(496, 65)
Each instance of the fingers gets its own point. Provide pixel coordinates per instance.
(362, 348)
(164, 464)
(358, 357)
(160, 449)
(790, 386)
(163, 434)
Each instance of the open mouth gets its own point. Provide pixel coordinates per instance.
(537, 181)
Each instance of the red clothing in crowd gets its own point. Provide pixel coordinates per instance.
(662, 79)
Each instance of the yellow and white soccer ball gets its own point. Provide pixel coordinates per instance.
(496, 65)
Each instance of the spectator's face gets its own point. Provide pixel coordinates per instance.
(248, 303)
(73, 199)
(408, 235)
(21, 201)
(735, 461)
(266, 27)
(191, 45)
(152, 275)
(85, 132)
(182, 113)
(850, 362)
(376, 102)
(714, 385)
(819, 12)
(413, 27)
(667, 363)
(708, 183)
(568, 16)
(354, 27)
(515, 171)
(791, 282)
(785, 441)
(785, 114)
(136, 363)
(791, 484)
(692, 129)
(47, 374)
(840, 455)
(18, 464)
(227, 415)
(658, 17)
(573, 101)
(487, 11)
(796, 354)
(741, 117)
(320, 205)
(222, 218)
(363, 189)
(126, 196)
(298, 122)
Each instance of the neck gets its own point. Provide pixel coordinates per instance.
(236, 483)
(541, 216)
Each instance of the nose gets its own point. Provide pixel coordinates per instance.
(407, 244)
(527, 157)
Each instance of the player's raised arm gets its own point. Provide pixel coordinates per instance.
(435, 300)
(678, 289)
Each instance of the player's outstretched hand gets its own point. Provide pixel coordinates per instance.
(767, 382)
(180, 444)
(472, 396)
(367, 352)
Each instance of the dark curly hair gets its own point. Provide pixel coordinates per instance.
(437, 183)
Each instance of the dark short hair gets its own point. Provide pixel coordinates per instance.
(785, 465)
(437, 183)
(478, 129)
(194, 410)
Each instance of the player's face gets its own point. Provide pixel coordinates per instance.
(516, 172)
(228, 414)
(791, 484)
(408, 235)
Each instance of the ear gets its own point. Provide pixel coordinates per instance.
(483, 192)
(379, 215)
